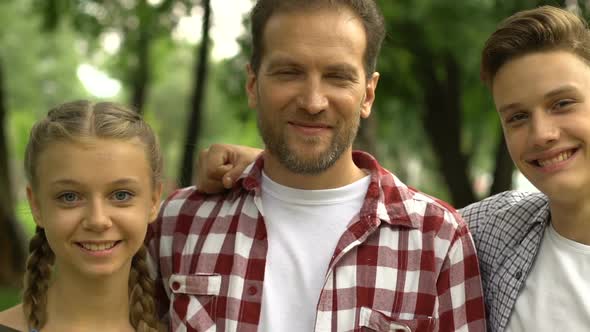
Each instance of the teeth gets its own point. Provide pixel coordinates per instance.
(561, 157)
(98, 246)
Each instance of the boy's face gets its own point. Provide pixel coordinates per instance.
(543, 100)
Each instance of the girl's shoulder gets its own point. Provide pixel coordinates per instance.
(13, 319)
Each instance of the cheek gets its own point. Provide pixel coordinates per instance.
(277, 94)
(515, 148)
(60, 222)
(135, 221)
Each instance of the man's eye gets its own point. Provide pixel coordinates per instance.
(68, 197)
(287, 73)
(122, 196)
(338, 77)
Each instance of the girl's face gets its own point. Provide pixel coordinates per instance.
(94, 200)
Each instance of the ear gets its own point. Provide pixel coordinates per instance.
(34, 206)
(369, 95)
(251, 87)
(156, 195)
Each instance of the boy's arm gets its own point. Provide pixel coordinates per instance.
(220, 165)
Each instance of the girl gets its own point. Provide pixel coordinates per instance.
(94, 185)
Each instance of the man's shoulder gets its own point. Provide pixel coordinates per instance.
(417, 205)
(188, 201)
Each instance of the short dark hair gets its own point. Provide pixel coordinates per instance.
(366, 10)
(541, 29)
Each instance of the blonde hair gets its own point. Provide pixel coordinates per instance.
(77, 121)
(541, 29)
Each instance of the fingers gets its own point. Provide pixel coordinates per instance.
(220, 165)
(211, 167)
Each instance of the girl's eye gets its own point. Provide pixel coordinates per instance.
(516, 117)
(122, 196)
(68, 197)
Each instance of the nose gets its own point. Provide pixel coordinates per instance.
(312, 97)
(543, 129)
(96, 218)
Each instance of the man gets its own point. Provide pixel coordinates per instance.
(314, 237)
(534, 249)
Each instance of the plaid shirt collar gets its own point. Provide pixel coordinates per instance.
(543, 216)
(374, 208)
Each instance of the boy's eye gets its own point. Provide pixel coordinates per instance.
(562, 103)
(122, 196)
(68, 197)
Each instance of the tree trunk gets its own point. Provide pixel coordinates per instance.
(197, 101)
(12, 239)
(504, 168)
(141, 76)
(443, 121)
(367, 136)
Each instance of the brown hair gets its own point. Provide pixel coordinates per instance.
(76, 121)
(541, 29)
(366, 10)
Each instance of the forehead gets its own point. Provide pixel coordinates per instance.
(96, 161)
(322, 34)
(532, 76)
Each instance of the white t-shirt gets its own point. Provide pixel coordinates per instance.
(303, 228)
(556, 294)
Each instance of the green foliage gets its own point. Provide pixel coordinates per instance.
(23, 213)
(8, 297)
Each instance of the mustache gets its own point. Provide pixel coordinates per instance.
(306, 117)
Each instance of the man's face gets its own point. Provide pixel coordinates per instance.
(543, 100)
(311, 88)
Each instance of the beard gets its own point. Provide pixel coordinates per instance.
(276, 140)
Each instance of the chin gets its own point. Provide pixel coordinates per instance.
(563, 190)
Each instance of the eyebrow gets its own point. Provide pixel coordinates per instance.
(555, 92)
(286, 61)
(560, 90)
(281, 62)
(342, 67)
(118, 182)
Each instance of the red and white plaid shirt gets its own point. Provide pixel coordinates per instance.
(406, 263)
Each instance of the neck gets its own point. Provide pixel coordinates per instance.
(79, 304)
(342, 173)
(571, 220)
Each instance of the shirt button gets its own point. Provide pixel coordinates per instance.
(176, 285)
(518, 275)
(252, 290)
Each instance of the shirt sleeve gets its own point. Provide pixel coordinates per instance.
(153, 243)
(461, 302)
(476, 214)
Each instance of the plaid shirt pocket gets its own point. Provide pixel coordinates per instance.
(193, 301)
(373, 320)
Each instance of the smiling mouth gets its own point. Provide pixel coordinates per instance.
(98, 246)
(563, 156)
